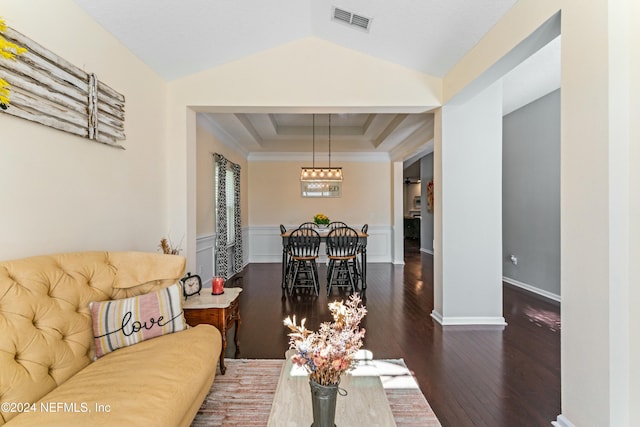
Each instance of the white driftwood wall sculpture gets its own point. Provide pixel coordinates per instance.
(51, 91)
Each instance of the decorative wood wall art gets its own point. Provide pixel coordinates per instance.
(51, 91)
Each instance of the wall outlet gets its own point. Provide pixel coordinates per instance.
(513, 259)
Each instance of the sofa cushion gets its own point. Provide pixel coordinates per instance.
(153, 383)
(124, 322)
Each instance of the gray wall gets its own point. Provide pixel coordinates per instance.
(426, 226)
(531, 194)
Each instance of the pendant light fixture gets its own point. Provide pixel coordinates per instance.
(328, 174)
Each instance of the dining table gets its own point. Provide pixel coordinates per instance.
(323, 232)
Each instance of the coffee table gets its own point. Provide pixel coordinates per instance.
(365, 404)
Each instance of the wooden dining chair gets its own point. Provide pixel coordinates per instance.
(362, 248)
(342, 247)
(286, 260)
(304, 246)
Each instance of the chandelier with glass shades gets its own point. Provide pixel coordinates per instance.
(329, 174)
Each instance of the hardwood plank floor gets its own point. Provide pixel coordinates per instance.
(471, 376)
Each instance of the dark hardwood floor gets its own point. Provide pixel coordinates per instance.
(471, 376)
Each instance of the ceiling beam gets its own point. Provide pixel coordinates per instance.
(242, 118)
(393, 125)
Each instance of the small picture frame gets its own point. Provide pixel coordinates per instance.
(416, 202)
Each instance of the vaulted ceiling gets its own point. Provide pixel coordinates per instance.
(426, 35)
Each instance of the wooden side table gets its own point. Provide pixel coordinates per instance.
(221, 311)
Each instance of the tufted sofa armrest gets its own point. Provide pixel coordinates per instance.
(45, 323)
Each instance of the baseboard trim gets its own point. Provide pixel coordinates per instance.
(538, 291)
(460, 321)
(426, 251)
(562, 421)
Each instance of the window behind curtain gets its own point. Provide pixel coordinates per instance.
(231, 234)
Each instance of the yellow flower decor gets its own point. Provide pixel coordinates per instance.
(321, 219)
(8, 50)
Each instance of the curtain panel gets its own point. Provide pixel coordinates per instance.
(237, 253)
(226, 267)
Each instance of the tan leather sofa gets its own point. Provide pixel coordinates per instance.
(47, 372)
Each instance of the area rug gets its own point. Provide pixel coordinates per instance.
(242, 397)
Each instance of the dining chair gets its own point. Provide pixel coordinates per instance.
(304, 246)
(362, 248)
(287, 262)
(342, 246)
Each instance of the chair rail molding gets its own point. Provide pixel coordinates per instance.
(265, 243)
(206, 254)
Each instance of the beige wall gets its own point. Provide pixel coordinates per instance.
(274, 195)
(64, 193)
(207, 144)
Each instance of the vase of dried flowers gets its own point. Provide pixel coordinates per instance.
(327, 354)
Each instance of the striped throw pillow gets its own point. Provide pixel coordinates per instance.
(124, 322)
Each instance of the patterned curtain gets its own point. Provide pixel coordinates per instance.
(237, 256)
(222, 267)
(222, 258)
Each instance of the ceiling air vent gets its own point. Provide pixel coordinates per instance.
(351, 19)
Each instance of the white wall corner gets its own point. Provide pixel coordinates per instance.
(562, 421)
(426, 251)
